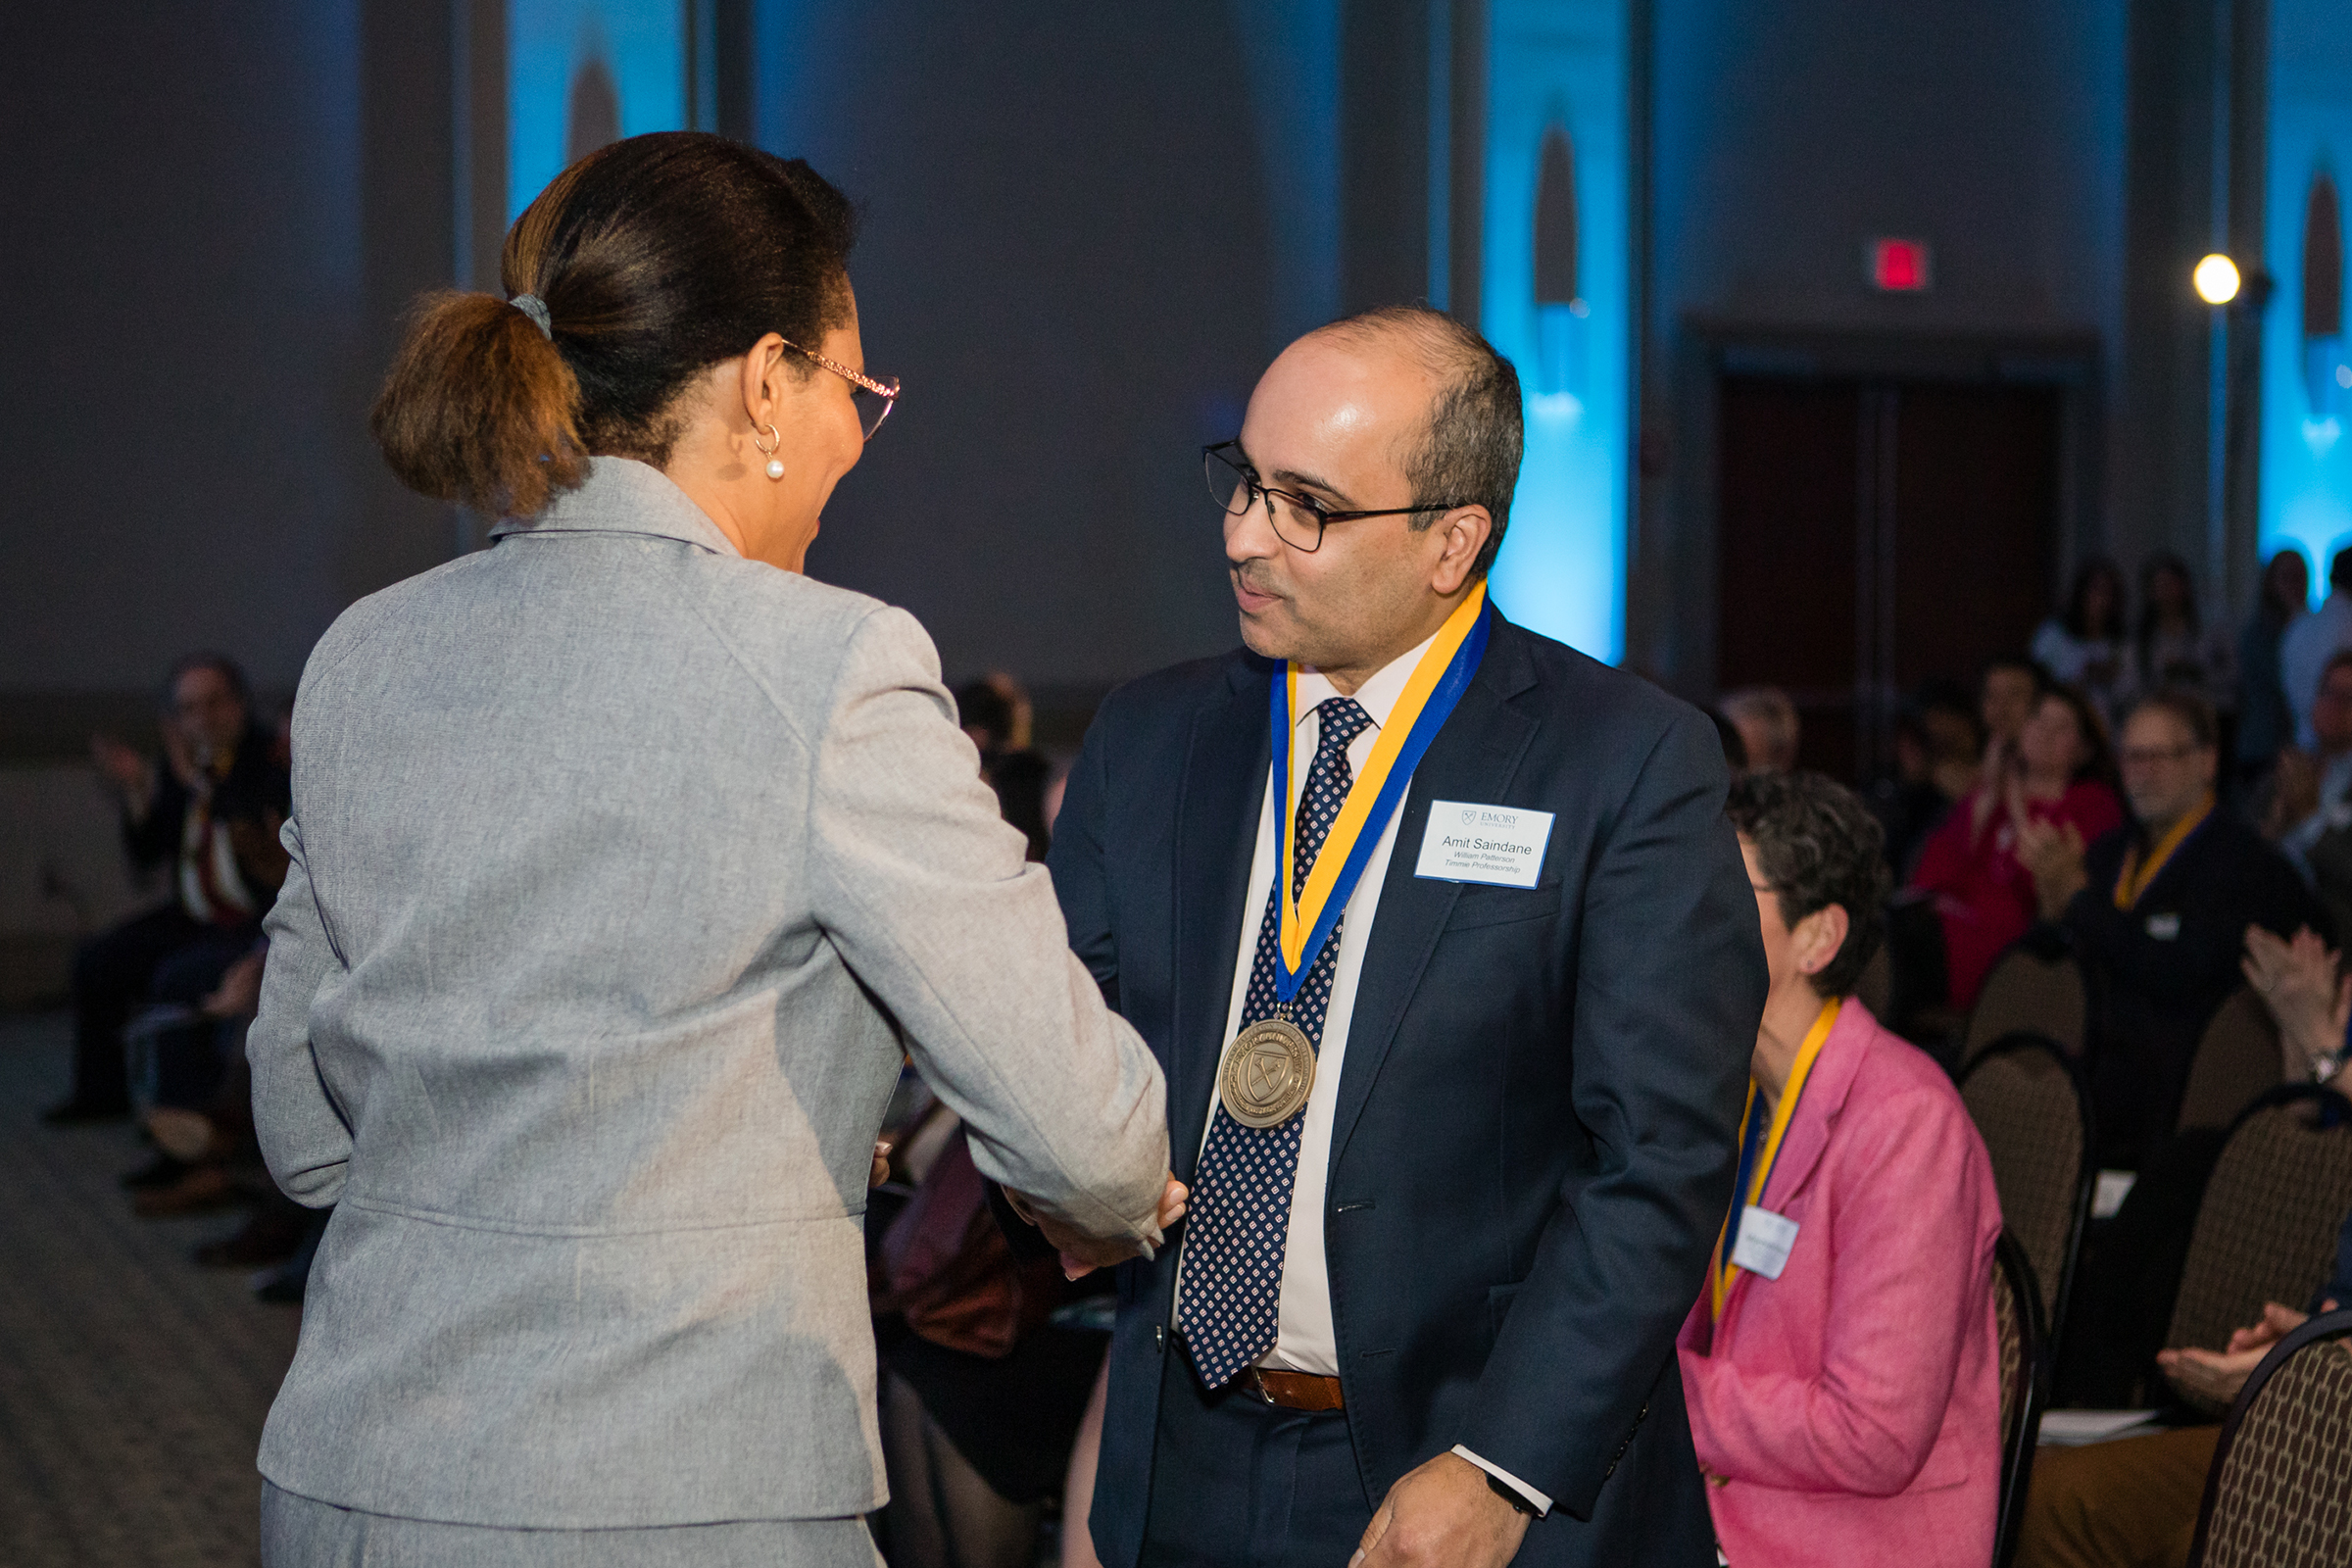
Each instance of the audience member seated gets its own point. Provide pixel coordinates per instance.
(2309, 799)
(2305, 648)
(1842, 1368)
(1937, 748)
(2265, 722)
(2133, 1503)
(2161, 907)
(214, 752)
(1768, 725)
(1735, 745)
(2082, 645)
(2173, 647)
(993, 711)
(2129, 1274)
(2057, 775)
(2006, 697)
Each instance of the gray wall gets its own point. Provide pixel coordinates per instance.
(198, 281)
(1077, 255)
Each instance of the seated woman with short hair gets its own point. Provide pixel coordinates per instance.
(1842, 1368)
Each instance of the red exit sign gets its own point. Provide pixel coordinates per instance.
(1899, 265)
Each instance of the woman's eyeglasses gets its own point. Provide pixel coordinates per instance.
(874, 399)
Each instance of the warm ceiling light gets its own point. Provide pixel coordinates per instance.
(2216, 278)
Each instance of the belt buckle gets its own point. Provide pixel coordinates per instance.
(1255, 1383)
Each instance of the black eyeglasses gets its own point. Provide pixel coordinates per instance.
(1298, 520)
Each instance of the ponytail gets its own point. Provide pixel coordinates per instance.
(480, 408)
(648, 261)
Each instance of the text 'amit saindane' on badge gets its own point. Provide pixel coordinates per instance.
(1498, 844)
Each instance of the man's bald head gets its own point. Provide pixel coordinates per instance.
(1467, 454)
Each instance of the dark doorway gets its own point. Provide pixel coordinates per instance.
(1872, 534)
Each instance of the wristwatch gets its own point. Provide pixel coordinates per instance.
(2323, 1069)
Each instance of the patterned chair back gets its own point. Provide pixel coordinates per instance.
(2035, 995)
(2017, 1317)
(2280, 1493)
(2237, 1062)
(2028, 1104)
(2265, 1230)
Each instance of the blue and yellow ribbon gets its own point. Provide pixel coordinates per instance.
(2133, 879)
(1436, 684)
(1755, 1164)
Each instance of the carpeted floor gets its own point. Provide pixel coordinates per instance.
(132, 1383)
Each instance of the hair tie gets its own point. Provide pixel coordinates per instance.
(533, 305)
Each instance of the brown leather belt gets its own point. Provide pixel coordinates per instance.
(1290, 1391)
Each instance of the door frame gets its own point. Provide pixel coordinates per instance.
(1673, 602)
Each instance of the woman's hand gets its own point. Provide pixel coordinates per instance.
(2298, 982)
(1992, 785)
(2053, 853)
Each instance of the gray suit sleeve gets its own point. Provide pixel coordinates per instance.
(303, 1137)
(926, 894)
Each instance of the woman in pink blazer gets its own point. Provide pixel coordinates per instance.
(1842, 1368)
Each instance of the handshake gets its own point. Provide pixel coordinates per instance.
(1082, 1252)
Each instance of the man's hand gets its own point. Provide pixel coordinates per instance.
(1441, 1513)
(239, 993)
(2219, 1374)
(2053, 853)
(124, 768)
(1082, 1253)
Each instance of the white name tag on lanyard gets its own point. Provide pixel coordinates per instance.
(1765, 1238)
(1498, 844)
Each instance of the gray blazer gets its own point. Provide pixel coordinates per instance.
(625, 871)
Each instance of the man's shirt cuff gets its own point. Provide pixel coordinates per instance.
(1535, 1499)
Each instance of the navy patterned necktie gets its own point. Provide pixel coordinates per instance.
(1240, 1205)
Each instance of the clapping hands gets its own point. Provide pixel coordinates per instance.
(2218, 1374)
(2298, 982)
(2053, 853)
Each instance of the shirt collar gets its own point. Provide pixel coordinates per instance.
(1377, 696)
(621, 495)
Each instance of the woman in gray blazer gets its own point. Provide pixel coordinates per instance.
(627, 866)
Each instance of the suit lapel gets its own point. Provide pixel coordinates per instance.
(1220, 796)
(1472, 759)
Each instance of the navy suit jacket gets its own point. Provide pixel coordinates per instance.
(1534, 1143)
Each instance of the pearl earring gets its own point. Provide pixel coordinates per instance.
(775, 439)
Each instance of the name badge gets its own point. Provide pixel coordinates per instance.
(1498, 844)
(2164, 928)
(1765, 1238)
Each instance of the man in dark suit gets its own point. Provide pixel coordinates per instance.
(1456, 1184)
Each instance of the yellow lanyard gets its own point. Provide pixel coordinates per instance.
(1720, 1276)
(1302, 916)
(2134, 879)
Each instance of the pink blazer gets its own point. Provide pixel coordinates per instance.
(1849, 1412)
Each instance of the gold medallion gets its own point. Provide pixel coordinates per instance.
(1267, 1073)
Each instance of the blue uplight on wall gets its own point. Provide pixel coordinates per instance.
(584, 72)
(2306, 379)
(1555, 297)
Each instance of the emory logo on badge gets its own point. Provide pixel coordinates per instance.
(1502, 845)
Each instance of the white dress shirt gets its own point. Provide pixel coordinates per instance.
(1306, 1341)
